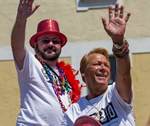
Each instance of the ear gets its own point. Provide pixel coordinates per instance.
(82, 72)
(34, 44)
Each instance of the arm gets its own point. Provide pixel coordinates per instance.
(18, 33)
(116, 29)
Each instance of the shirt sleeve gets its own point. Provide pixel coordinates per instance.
(28, 68)
(119, 99)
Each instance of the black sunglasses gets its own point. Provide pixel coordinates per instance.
(47, 40)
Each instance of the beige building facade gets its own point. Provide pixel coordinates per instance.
(84, 30)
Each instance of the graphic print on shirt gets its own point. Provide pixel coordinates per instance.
(106, 114)
(47, 78)
(44, 73)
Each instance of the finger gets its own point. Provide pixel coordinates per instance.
(110, 11)
(121, 11)
(127, 17)
(31, 1)
(116, 9)
(104, 22)
(27, 1)
(20, 5)
(35, 8)
(22, 1)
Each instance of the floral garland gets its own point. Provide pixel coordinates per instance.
(70, 74)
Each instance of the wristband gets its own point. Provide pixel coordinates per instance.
(117, 46)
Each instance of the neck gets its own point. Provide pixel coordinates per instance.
(48, 62)
(94, 94)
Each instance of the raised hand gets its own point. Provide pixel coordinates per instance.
(25, 8)
(117, 25)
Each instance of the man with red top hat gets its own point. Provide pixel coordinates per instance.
(45, 88)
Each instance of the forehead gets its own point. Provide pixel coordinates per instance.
(51, 36)
(97, 57)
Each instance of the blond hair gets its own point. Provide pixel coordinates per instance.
(85, 59)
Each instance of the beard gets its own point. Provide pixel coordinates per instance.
(47, 55)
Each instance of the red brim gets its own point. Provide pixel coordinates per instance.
(62, 36)
(86, 121)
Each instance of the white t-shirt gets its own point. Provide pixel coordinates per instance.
(113, 110)
(39, 103)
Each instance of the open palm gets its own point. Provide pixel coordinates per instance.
(116, 25)
(25, 8)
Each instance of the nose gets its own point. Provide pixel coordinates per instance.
(50, 43)
(102, 66)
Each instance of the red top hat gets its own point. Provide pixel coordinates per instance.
(48, 26)
(86, 121)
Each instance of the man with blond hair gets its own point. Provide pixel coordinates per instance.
(109, 105)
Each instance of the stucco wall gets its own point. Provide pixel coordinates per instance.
(141, 87)
(78, 27)
(9, 94)
(10, 99)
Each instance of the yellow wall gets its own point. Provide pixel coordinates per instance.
(78, 26)
(65, 59)
(141, 85)
(10, 96)
(9, 92)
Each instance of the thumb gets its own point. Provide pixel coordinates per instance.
(104, 22)
(35, 8)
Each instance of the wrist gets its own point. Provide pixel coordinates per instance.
(20, 18)
(117, 46)
(118, 41)
(121, 52)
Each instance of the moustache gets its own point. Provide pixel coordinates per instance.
(50, 48)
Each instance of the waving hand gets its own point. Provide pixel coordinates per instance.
(116, 25)
(25, 8)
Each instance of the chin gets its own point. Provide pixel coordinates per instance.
(102, 82)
